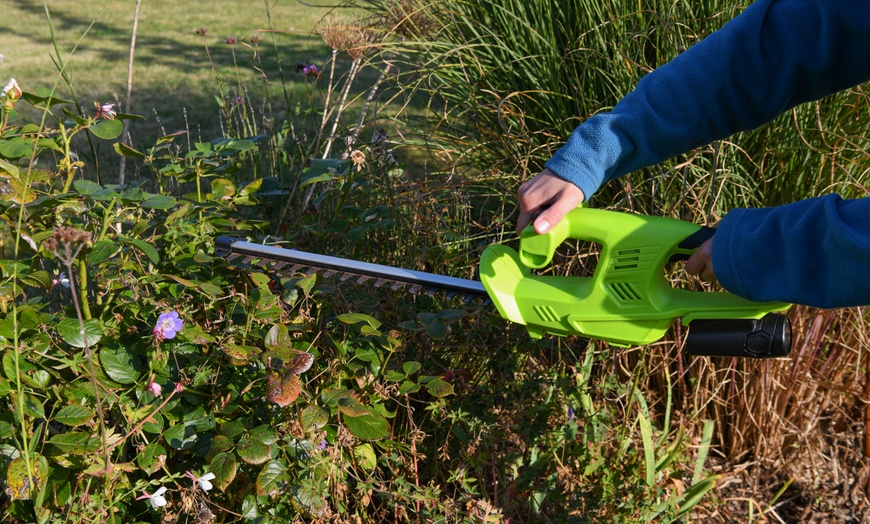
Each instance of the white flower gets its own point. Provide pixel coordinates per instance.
(204, 483)
(157, 500)
(12, 89)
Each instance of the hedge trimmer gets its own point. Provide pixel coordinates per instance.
(626, 301)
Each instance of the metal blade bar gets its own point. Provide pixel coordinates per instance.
(227, 246)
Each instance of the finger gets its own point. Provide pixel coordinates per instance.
(557, 210)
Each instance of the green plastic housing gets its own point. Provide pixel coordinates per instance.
(627, 301)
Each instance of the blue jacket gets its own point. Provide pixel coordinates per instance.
(773, 56)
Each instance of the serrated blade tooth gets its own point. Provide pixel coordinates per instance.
(397, 285)
(329, 272)
(415, 289)
(346, 276)
(296, 268)
(380, 282)
(431, 292)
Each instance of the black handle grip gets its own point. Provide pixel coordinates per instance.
(693, 241)
(767, 337)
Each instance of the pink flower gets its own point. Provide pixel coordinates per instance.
(106, 111)
(155, 388)
(231, 40)
(168, 325)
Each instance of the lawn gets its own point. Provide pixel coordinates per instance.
(174, 85)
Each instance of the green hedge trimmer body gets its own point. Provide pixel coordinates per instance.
(627, 300)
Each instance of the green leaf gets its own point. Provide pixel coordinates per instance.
(221, 187)
(224, 467)
(120, 364)
(74, 415)
(368, 427)
(87, 187)
(356, 318)
(695, 493)
(350, 407)
(151, 457)
(33, 406)
(72, 333)
(264, 434)
(107, 129)
(145, 248)
(411, 367)
(181, 436)
(451, 314)
(439, 388)
(39, 279)
(125, 150)
(102, 251)
(253, 451)
(648, 451)
(407, 387)
(158, 202)
(365, 456)
(313, 418)
(15, 148)
(437, 330)
(268, 481)
(76, 442)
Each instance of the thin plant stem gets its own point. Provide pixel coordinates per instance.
(126, 133)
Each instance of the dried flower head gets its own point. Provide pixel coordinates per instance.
(255, 39)
(231, 40)
(358, 158)
(201, 31)
(342, 34)
(410, 18)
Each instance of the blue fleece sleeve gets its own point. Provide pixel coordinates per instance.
(814, 252)
(770, 58)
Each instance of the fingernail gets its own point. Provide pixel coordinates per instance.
(542, 226)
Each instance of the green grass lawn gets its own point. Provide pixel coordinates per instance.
(172, 74)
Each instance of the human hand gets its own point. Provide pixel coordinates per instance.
(701, 262)
(546, 199)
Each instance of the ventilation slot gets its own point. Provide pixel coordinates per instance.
(625, 292)
(547, 313)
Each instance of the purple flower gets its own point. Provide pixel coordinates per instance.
(311, 70)
(322, 444)
(168, 325)
(570, 413)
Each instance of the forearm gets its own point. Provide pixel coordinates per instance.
(814, 252)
